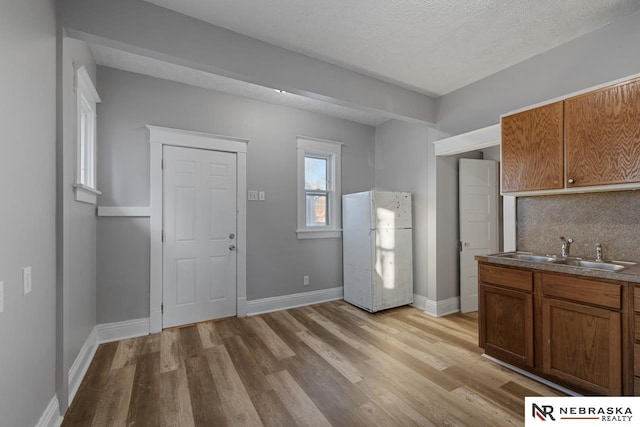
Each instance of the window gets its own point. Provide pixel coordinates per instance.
(87, 98)
(318, 188)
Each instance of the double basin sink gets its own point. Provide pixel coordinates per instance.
(569, 261)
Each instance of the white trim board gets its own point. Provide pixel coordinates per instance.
(419, 302)
(116, 331)
(127, 211)
(51, 415)
(159, 136)
(442, 307)
(475, 140)
(81, 364)
(284, 302)
(532, 376)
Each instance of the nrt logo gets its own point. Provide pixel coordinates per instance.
(542, 412)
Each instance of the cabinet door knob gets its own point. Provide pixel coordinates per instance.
(571, 180)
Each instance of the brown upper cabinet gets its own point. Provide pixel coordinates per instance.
(602, 136)
(594, 137)
(533, 149)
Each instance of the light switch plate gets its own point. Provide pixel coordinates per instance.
(252, 195)
(26, 279)
(1, 297)
(262, 196)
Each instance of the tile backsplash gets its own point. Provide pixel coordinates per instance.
(611, 218)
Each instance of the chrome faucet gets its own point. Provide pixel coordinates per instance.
(566, 246)
(599, 252)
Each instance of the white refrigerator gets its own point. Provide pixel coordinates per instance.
(377, 249)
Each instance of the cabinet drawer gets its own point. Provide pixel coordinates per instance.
(583, 290)
(636, 298)
(507, 277)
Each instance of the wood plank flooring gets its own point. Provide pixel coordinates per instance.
(329, 364)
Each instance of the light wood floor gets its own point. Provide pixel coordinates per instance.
(322, 365)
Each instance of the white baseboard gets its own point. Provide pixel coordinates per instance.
(442, 307)
(51, 415)
(108, 332)
(419, 301)
(266, 305)
(82, 362)
(241, 307)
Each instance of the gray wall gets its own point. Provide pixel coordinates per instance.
(401, 152)
(27, 206)
(276, 259)
(598, 57)
(612, 219)
(405, 161)
(79, 221)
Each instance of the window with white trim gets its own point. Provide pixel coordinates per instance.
(319, 196)
(87, 98)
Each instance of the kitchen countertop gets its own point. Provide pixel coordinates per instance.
(631, 274)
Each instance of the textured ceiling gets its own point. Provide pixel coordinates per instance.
(431, 46)
(121, 60)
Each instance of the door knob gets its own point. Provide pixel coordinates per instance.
(232, 236)
(571, 180)
(232, 248)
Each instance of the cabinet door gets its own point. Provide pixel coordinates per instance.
(533, 149)
(603, 136)
(506, 324)
(581, 345)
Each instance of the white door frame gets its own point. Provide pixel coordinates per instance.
(489, 136)
(159, 136)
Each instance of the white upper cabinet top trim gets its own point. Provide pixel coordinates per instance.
(475, 140)
(571, 95)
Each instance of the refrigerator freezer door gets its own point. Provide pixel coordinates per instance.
(357, 249)
(392, 268)
(391, 210)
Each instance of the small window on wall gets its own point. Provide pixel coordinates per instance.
(319, 197)
(87, 97)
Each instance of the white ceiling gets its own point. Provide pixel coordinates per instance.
(126, 61)
(431, 46)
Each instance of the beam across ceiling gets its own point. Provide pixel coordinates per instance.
(145, 29)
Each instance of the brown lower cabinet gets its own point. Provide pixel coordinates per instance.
(582, 345)
(508, 324)
(573, 330)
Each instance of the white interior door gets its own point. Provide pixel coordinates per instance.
(199, 257)
(478, 194)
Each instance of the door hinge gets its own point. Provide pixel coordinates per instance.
(162, 308)
(459, 245)
(162, 164)
(162, 235)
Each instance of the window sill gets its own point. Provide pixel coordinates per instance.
(85, 194)
(319, 234)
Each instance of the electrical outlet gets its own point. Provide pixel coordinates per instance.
(261, 196)
(26, 279)
(252, 195)
(306, 280)
(1, 297)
